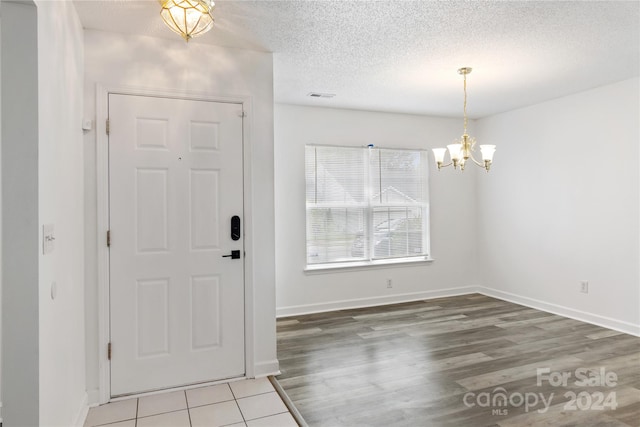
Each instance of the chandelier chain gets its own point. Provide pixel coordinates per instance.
(465, 103)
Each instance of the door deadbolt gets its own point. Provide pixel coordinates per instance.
(235, 227)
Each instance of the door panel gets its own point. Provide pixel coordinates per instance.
(175, 181)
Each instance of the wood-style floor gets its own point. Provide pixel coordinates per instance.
(453, 362)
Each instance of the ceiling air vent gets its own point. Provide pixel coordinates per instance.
(321, 95)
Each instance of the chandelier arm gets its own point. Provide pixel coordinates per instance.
(475, 161)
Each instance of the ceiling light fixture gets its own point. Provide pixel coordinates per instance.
(189, 18)
(462, 150)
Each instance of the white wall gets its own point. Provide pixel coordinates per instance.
(20, 381)
(452, 198)
(0, 216)
(143, 62)
(43, 378)
(61, 202)
(561, 205)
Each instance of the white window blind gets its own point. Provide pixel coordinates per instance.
(366, 204)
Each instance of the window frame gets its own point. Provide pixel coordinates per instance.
(369, 208)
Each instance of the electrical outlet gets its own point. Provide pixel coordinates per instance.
(389, 284)
(584, 287)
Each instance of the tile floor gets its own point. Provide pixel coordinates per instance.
(246, 403)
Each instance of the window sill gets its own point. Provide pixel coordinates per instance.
(365, 265)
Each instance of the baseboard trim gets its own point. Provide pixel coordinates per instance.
(583, 316)
(82, 413)
(264, 369)
(298, 310)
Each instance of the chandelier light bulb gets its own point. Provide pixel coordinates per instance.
(487, 152)
(455, 151)
(439, 153)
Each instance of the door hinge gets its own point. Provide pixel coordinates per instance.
(108, 238)
(109, 351)
(108, 126)
(242, 114)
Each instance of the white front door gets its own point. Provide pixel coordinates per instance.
(175, 182)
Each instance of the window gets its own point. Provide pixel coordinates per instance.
(366, 205)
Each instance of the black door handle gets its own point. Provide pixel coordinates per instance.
(233, 255)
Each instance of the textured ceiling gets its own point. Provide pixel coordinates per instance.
(403, 55)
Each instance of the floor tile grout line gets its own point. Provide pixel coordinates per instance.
(286, 411)
(272, 415)
(232, 393)
(109, 423)
(240, 410)
(257, 394)
(237, 405)
(163, 413)
(186, 399)
(209, 404)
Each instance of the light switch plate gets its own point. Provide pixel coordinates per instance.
(47, 238)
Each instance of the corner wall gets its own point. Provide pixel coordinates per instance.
(43, 380)
(62, 382)
(452, 200)
(20, 325)
(561, 205)
(0, 217)
(120, 60)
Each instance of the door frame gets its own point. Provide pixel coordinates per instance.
(102, 220)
